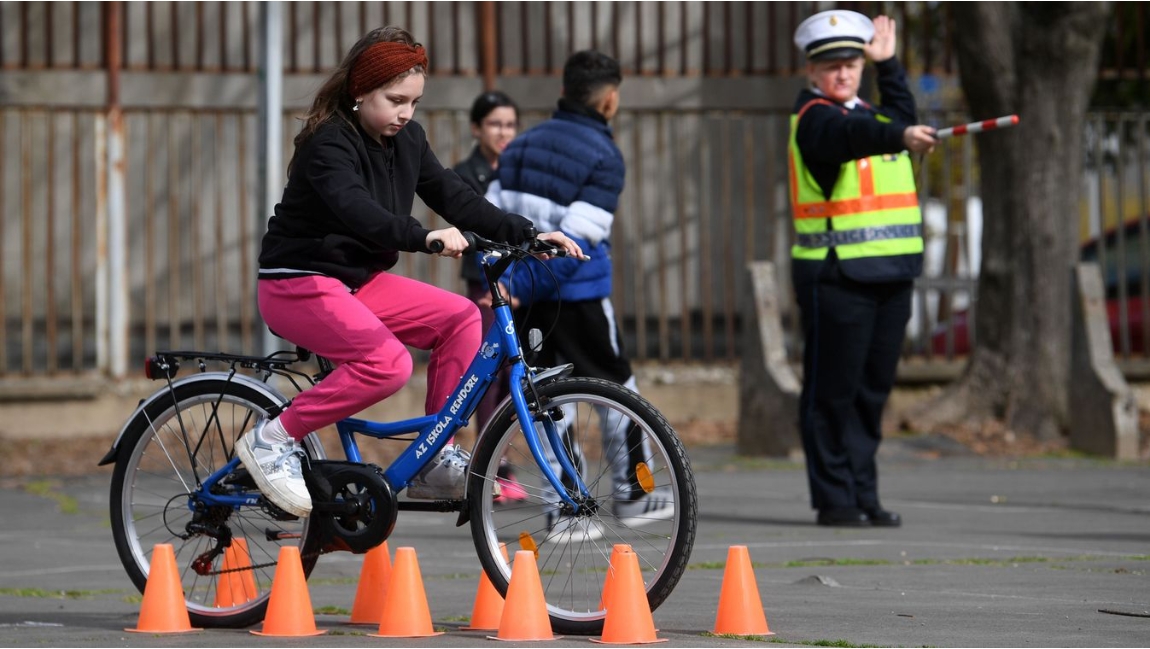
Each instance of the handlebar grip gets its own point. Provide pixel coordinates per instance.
(435, 246)
(471, 241)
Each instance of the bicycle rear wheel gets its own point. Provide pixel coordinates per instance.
(642, 488)
(171, 445)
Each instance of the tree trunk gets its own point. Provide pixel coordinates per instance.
(1038, 60)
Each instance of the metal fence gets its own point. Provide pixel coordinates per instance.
(704, 138)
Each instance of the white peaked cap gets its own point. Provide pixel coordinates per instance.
(834, 34)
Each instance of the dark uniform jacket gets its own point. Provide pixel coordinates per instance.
(827, 138)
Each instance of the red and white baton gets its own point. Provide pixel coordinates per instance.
(977, 127)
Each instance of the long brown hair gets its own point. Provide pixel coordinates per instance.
(332, 100)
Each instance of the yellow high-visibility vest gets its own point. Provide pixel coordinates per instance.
(873, 210)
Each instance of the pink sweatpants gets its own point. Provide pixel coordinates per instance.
(364, 334)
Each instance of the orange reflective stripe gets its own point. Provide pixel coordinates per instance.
(819, 101)
(866, 177)
(824, 209)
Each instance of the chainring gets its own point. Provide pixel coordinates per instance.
(353, 506)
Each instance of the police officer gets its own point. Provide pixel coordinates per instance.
(858, 247)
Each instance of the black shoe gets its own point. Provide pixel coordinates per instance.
(846, 517)
(880, 517)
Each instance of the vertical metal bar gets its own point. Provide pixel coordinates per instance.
(705, 280)
(488, 55)
(117, 213)
(50, 251)
(173, 257)
(706, 37)
(3, 246)
(221, 289)
(749, 178)
(222, 34)
(728, 40)
(635, 246)
(150, 242)
(195, 219)
(245, 225)
(548, 64)
(199, 53)
(49, 31)
(680, 153)
(76, 35)
(150, 34)
(661, 38)
(271, 121)
(75, 235)
(1144, 232)
(663, 170)
(593, 10)
(27, 252)
(456, 54)
(638, 7)
(684, 35)
(173, 40)
(728, 237)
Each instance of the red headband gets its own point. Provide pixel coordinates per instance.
(381, 63)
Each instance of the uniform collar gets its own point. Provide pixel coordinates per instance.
(849, 104)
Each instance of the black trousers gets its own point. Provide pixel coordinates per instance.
(854, 334)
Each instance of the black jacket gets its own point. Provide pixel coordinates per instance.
(345, 208)
(476, 172)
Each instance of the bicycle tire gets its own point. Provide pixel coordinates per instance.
(573, 565)
(148, 503)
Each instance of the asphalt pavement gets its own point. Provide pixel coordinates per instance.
(993, 553)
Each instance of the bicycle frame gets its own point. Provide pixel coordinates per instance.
(500, 343)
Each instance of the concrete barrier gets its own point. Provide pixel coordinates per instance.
(1103, 408)
(768, 387)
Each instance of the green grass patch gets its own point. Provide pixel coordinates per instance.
(48, 489)
(457, 618)
(328, 581)
(56, 594)
(345, 632)
(332, 610)
(136, 598)
(846, 561)
(778, 640)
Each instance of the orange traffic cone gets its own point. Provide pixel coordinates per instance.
(740, 609)
(163, 609)
(405, 613)
(372, 590)
(235, 588)
(628, 618)
(525, 611)
(289, 606)
(488, 609)
(612, 569)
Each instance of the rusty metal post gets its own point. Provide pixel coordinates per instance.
(111, 257)
(487, 36)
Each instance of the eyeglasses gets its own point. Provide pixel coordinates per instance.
(497, 125)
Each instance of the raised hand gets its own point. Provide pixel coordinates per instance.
(882, 46)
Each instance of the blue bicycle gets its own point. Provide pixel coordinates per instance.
(598, 466)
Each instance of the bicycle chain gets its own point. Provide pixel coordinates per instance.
(269, 564)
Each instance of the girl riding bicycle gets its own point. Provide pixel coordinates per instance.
(324, 282)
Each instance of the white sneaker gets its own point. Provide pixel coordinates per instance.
(571, 529)
(275, 466)
(659, 505)
(443, 480)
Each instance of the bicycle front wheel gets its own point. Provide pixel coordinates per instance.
(168, 448)
(642, 495)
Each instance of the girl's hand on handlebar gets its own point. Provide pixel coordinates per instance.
(451, 239)
(563, 241)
